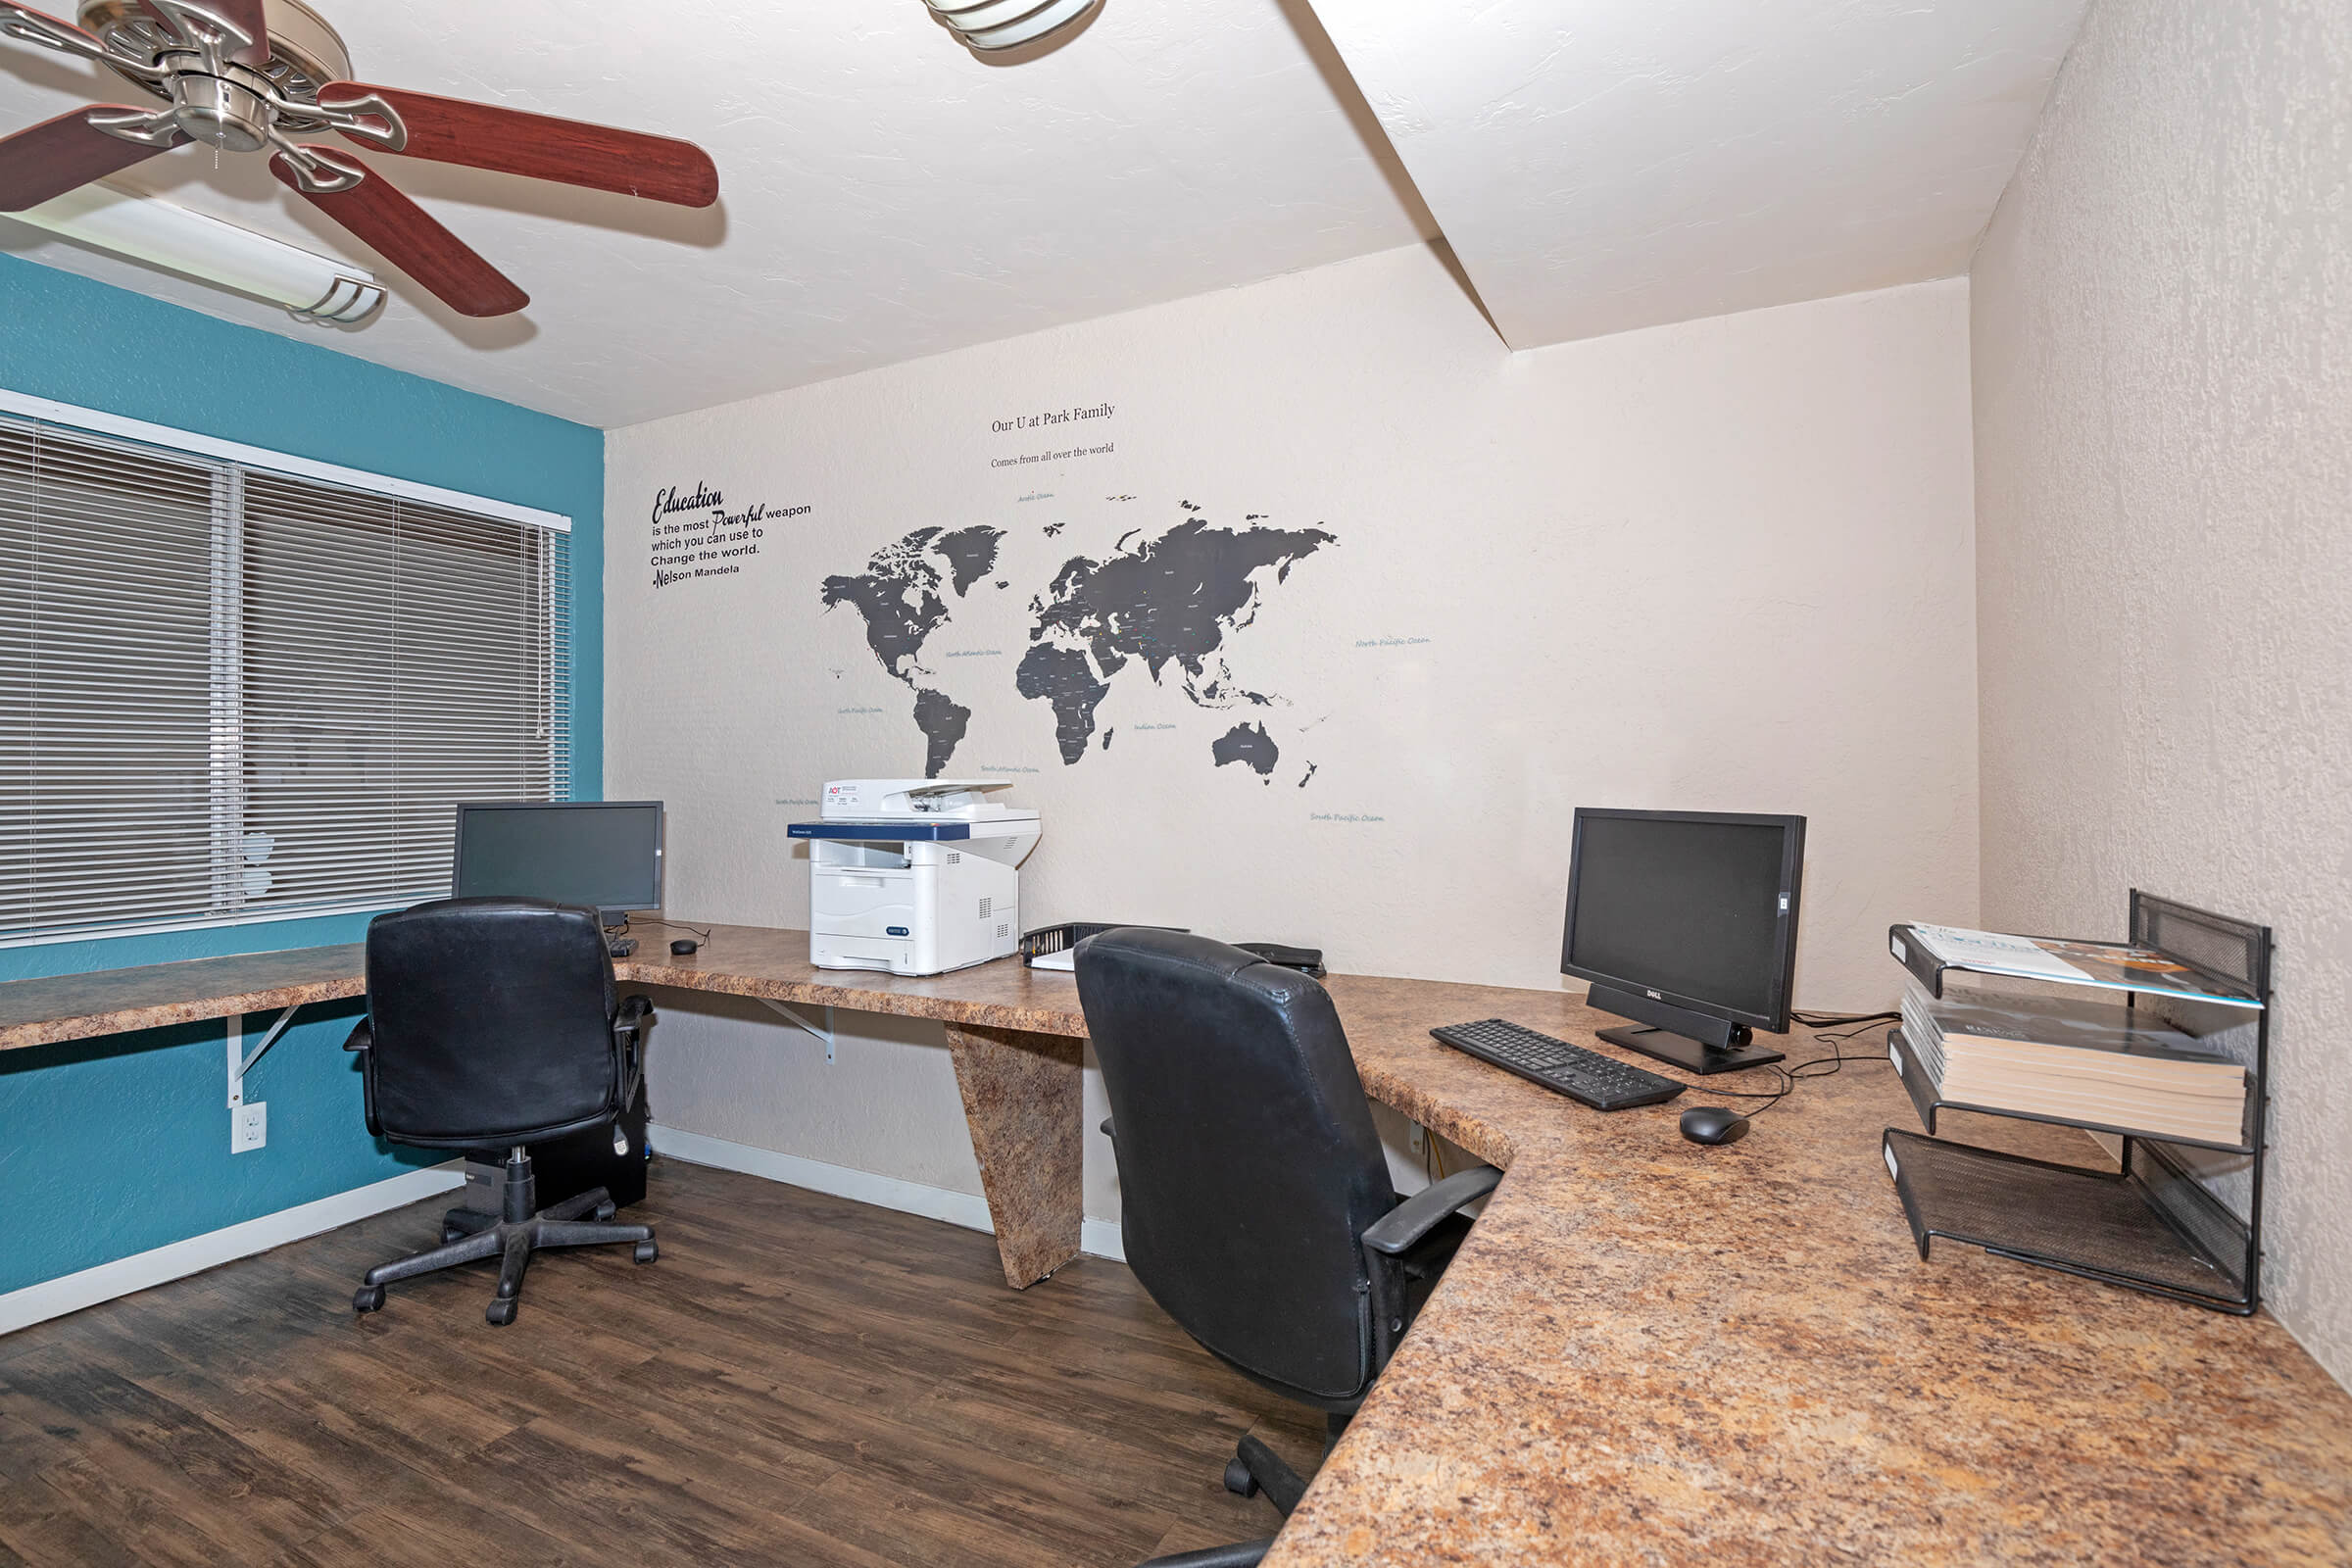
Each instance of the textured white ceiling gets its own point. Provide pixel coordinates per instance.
(884, 194)
(1597, 165)
(1616, 164)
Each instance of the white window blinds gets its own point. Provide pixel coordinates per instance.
(232, 694)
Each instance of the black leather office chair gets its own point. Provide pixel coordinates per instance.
(494, 1022)
(1255, 1200)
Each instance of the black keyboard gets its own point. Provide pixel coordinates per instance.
(1586, 1076)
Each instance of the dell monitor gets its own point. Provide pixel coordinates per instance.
(605, 855)
(1686, 923)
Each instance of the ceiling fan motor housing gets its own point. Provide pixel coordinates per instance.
(305, 53)
(223, 110)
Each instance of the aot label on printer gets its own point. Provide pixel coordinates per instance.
(898, 931)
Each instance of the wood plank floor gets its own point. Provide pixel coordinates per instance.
(799, 1380)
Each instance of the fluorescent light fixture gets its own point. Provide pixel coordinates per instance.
(1005, 23)
(321, 289)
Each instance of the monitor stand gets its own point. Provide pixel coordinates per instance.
(1692, 1055)
(615, 922)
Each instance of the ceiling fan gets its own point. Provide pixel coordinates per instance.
(242, 82)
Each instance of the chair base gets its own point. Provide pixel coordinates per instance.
(1256, 1468)
(469, 1236)
(1244, 1555)
(1252, 1469)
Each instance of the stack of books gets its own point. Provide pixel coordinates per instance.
(2066, 1057)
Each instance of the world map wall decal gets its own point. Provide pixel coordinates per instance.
(1164, 605)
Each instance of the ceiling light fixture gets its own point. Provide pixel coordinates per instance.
(321, 289)
(991, 24)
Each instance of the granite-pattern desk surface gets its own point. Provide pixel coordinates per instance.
(741, 961)
(113, 1002)
(1650, 1352)
(1654, 1352)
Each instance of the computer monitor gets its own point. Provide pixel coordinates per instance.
(1686, 921)
(603, 854)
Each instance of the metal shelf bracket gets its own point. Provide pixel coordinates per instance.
(239, 1062)
(792, 1014)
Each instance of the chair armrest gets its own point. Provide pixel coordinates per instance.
(361, 1043)
(1403, 1227)
(628, 1039)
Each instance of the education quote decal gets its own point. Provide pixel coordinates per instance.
(694, 535)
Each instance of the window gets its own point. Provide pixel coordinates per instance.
(234, 691)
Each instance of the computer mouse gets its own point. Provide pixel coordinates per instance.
(683, 946)
(1713, 1124)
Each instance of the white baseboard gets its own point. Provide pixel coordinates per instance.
(1096, 1238)
(71, 1293)
(1100, 1238)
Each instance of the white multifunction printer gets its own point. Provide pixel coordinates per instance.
(915, 875)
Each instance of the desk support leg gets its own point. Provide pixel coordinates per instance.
(1021, 1097)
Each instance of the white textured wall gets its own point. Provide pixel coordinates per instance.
(2162, 334)
(1724, 565)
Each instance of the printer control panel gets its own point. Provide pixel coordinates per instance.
(915, 797)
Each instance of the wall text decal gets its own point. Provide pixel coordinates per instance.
(693, 534)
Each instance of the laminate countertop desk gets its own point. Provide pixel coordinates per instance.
(1647, 1351)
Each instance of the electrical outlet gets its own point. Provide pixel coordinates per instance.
(248, 1126)
(1417, 1139)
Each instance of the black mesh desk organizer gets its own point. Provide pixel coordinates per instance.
(2164, 1221)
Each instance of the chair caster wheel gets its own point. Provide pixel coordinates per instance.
(605, 1210)
(1238, 1479)
(646, 1252)
(501, 1312)
(368, 1298)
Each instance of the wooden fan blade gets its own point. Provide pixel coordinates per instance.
(63, 154)
(243, 15)
(408, 237)
(452, 130)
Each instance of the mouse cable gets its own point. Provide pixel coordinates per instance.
(1791, 1076)
(700, 932)
(1828, 1067)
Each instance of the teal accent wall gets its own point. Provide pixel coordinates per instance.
(115, 1145)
